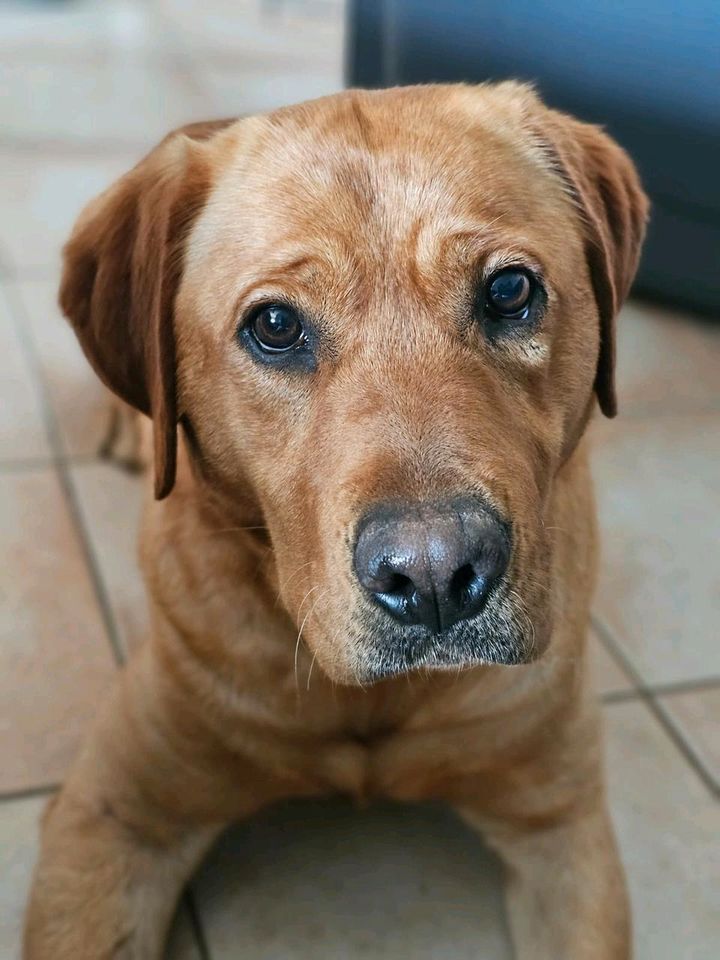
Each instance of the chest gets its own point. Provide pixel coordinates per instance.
(429, 748)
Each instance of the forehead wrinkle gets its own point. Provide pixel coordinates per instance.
(396, 213)
(367, 205)
(436, 243)
(285, 276)
(337, 171)
(350, 142)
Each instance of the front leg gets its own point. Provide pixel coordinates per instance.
(543, 808)
(147, 796)
(104, 888)
(565, 887)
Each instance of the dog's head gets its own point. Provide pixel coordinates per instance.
(381, 319)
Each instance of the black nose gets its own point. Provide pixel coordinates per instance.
(431, 564)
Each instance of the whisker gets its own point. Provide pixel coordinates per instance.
(312, 664)
(302, 627)
(304, 599)
(213, 533)
(293, 575)
(522, 611)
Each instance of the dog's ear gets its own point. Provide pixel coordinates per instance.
(122, 267)
(606, 188)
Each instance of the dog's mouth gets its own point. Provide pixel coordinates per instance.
(497, 636)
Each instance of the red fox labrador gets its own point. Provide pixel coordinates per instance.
(370, 331)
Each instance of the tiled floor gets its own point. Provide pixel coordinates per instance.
(87, 86)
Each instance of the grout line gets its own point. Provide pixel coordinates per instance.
(27, 465)
(29, 793)
(60, 463)
(160, 60)
(620, 696)
(647, 696)
(184, 59)
(683, 686)
(646, 416)
(684, 746)
(43, 463)
(616, 655)
(101, 593)
(196, 924)
(657, 411)
(82, 148)
(7, 264)
(663, 689)
(38, 273)
(99, 53)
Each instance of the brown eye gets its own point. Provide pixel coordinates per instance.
(277, 328)
(509, 294)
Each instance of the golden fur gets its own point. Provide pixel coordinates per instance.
(375, 212)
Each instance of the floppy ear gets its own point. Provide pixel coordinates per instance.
(122, 268)
(606, 188)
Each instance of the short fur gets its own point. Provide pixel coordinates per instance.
(269, 674)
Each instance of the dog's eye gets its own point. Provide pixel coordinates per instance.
(277, 328)
(278, 335)
(509, 294)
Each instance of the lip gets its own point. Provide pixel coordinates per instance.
(463, 646)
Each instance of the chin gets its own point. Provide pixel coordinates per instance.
(494, 637)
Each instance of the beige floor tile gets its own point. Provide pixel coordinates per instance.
(327, 882)
(110, 501)
(657, 484)
(84, 27)
(323, 880)
(55, 661)
(697, 715)
(667, 361)
(19, 825)
(608, 676)
(251, 57)
(410, 882)
(41, 196)
(19, 831)
(114, 100)
(246, 91)
(669, 831)
(22, 427)
(313, 29)
(79, 400)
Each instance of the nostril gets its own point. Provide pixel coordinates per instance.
(467, 588)
(397, 593)
(394, 583)
(462, 582)
(430, 565)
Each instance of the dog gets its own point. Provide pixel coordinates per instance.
(370, 331)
